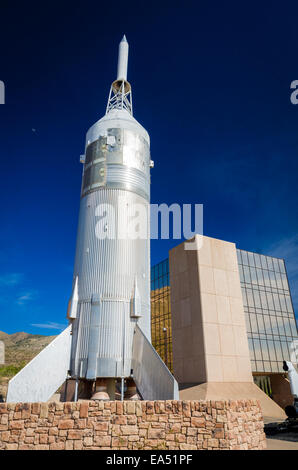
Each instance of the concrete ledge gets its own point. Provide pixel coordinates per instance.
(179, 425)
(232, 391)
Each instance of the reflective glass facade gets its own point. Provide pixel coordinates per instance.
(269, 315)
(161, 323)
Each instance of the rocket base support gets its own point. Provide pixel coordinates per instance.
(111, 387)
(104, 390)
(131, 392)
(85, 389)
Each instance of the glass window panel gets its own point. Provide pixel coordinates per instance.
(160, 269)
(289, 304)
(278, 350)
(246, 274)
(282, 302)
(275, 264)
(280, 324)
(247, 322)
(267, 367)
(274, 325)
(244, 298)
(167, 266)
(257, 298)
(285, 352)
(266, 278)
(253, 275)
(257, 348)
(250, 300)
(269, 262)
(293, 326)
(263, 262)
(274, 366)
(253, 366)
(276, 302)
(263, 300)
(270, 300)
(251, 347)
(257, 260)
(267, 325)
(281, 266)
(251, 260)
(241, 273)
(271, 350)
(260, 277)
(261, 324)
(239, 256)
(272, 279)
(244, 257)
(260, 367)
(284, 281)
(265, 352)
(278, 281)
(253, 323)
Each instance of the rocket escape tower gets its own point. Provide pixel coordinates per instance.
(120, 96)
(107, 345)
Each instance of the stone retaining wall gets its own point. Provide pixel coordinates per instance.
(185, 425)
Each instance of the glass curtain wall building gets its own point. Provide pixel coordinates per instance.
(161, 322)
(270, 318)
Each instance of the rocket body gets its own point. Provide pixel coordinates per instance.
(109, 310)
(111, 281)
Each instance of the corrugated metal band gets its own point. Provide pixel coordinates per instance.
(123, 177)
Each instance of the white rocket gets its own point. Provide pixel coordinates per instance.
(111, 268)
(109, 333)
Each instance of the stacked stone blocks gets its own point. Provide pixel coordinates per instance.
(130, 425)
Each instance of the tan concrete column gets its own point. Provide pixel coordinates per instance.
(209, 333)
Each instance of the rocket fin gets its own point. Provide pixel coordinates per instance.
(72, 313)
(135, 305)
(42, 376)
(152, 377)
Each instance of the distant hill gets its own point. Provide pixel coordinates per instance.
(20, 348)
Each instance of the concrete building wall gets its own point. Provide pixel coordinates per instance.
(209, 333)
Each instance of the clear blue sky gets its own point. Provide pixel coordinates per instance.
(211, 84)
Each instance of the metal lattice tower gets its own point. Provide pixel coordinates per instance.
(120, 96)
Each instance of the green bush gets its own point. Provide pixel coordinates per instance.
(11, 370)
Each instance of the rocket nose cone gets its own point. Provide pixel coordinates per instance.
(124, 39)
